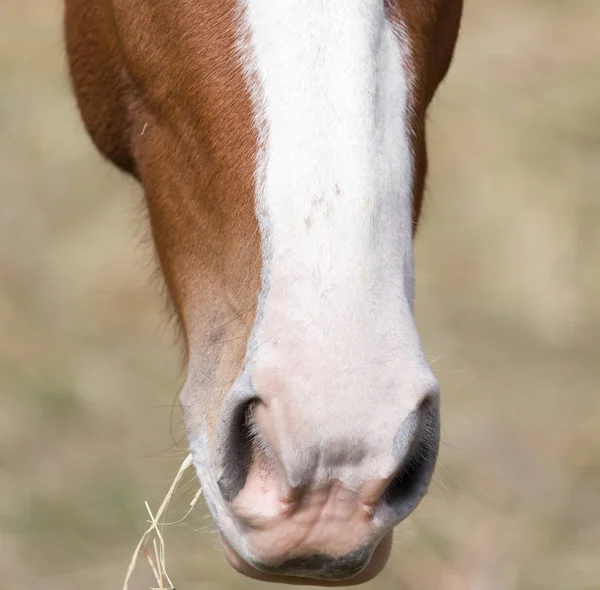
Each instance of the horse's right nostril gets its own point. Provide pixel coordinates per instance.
(412, 479)
(235, 449)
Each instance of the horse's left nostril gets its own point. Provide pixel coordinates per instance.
(412, 479)
(429, 402)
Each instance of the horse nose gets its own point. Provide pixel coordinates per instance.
(284, 441)
(314, 506)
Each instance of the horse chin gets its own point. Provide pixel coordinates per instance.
(373, 569)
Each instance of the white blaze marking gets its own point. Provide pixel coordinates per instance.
(334, 201)
(338, 166)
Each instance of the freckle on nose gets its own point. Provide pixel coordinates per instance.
(367, 511)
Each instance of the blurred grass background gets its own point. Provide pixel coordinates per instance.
(508, 305)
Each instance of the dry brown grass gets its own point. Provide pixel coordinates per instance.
(158, 560)
(508, 307)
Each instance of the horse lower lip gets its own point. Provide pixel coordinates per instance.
(376, 564)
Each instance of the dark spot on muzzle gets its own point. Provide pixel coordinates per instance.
(322, 566)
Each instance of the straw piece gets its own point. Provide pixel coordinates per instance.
(192, 506)
(159, 566)
(151, 563)
(160, 554)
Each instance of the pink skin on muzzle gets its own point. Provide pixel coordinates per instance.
(376, 564)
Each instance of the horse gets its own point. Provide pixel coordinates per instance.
(281, 149)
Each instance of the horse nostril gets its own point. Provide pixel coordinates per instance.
(430, 402)
(235, 450)
(410, 482)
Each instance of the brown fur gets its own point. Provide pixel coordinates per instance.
(432, 27)
(163, 96)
